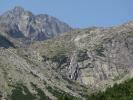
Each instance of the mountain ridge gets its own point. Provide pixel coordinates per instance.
(75, 63)
(20, 23)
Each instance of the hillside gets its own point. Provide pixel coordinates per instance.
(121, 91)
(96, 57)
(73, 65)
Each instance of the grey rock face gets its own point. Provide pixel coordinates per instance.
(73, 68)
(110, 57)
(0, 94)
(19, 23)
(98, 57)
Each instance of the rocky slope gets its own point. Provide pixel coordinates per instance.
(76, 63)
(26, 68)
(19, 23)
(96, 57)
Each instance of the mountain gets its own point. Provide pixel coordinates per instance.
(70, 66)
(19, 23)
(96, 57)
(73, 65)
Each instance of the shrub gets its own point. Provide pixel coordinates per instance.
(82, 55)
(99, 51)
(21, 92)
(123, 91)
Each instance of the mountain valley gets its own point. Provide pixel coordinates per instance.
(42, 58)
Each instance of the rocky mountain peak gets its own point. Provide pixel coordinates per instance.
(76, 63)
(18, 9)
(21, 23)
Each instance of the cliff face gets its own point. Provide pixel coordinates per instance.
(96, 57)
(19, 23)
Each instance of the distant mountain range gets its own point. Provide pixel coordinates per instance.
(19, 23)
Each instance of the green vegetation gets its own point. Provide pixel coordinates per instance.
(57, 54)
(82, 55)
(99, 51)
(60, 58)
(123, 91)
(40, 94)
(61, 95)
(67, 97)
(55, 92)
(21, 92)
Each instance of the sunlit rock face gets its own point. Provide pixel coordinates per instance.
(20, 23)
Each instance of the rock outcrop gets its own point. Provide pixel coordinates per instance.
(96, 57)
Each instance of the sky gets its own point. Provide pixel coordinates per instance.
(78, 13)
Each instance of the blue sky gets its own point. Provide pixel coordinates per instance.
(78, 13)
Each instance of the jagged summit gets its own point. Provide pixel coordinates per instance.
(18, 8)
(19, 22)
